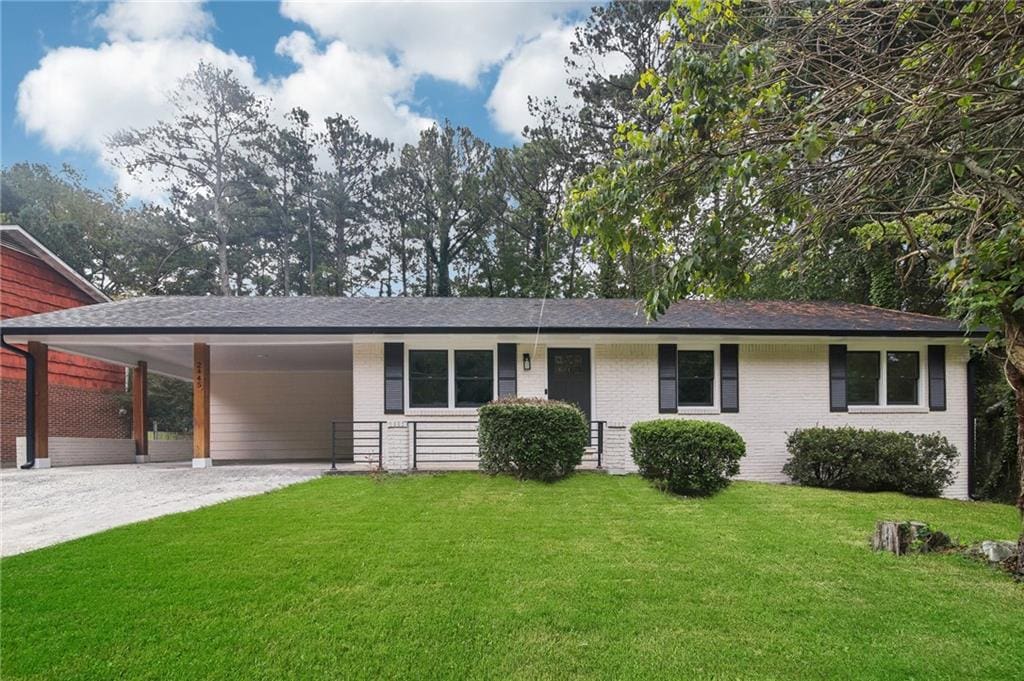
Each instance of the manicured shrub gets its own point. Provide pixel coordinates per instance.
(533, 439)
(687, 457)
(870, 460)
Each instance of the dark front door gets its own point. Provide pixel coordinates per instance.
(569, 376)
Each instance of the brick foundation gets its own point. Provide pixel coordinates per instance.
(74, 412)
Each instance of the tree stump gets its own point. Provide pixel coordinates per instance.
(893, 536)
(902, 538)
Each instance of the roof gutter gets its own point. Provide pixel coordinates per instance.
(30, 402)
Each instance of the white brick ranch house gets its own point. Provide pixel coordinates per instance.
(396, 382)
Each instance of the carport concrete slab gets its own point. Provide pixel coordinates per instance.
(43, 507)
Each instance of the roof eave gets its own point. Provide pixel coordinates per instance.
(393, 330)
(38, 250)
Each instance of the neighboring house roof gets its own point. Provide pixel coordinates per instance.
(12, 236)
(298, 315)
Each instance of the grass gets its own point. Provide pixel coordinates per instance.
(465, 576)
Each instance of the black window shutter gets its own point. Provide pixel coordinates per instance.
(937, 377)
(394, 378)
(668, 399)
(729, 368)
(837, 378)
(507, 370)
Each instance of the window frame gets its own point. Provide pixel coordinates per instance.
(917, 380)
(878, 378)
(715, 406)
(409, 379)
(883, 347)
(455, 378)
(679, 378)
(450, 348)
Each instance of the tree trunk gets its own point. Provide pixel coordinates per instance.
(1015, 375)
(444, 283)
(309, 245)
(286, 257)
(570, 290)
(405, 260)
(341, 260)
(428, 254)
(222, 262)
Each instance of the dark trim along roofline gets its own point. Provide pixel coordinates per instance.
(412, 330)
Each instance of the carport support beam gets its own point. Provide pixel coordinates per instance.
(140, 411)
(201, 406)
(41, 355)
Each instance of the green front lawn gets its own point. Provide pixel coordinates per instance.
(462, 575)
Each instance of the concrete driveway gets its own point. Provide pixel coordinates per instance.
(43, 507)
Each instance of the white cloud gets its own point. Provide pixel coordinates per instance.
(136, 20)
(365, 64)
(537, 69)
(453, 41)
(338, 80)
(78, 96)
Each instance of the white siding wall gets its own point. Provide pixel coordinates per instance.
(83, 451)
(88, 451)
(277, 415)
(170, 450)
(782, 387)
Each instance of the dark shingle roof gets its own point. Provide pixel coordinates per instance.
(465, 315)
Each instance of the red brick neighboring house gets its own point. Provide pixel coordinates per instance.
(83, 392)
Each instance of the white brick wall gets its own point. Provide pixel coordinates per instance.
(782, 387)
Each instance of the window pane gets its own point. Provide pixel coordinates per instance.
(428, 378)
(474, 364)
(474, 377)
(473, 392)
(696, 378)
(428, 364)
(696, 364)
(862, 369)
(902, 371)
(695, 392)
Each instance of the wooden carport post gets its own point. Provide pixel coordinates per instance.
(140, 411)
(201, 406)
(40, 354)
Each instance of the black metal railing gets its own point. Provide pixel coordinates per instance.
(457, 442)
(350, 439)
(596, 443)
(445, 442)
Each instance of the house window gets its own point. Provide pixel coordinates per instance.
(696, 378)
(862, 372)
(428, 378)
(474, 377)
(902, 372)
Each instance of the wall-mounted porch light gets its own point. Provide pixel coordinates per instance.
(526, 361)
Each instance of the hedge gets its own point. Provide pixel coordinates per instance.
(687, 457)
(871, 460)
(533, 439)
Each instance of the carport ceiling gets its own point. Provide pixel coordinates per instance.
(176, 359)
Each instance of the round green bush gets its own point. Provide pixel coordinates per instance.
(532, 439)
(870, 460)
(687, 457)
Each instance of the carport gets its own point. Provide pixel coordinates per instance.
(256, 398)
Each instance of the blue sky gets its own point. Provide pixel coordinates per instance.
(74, 72)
